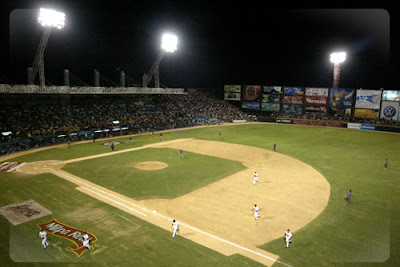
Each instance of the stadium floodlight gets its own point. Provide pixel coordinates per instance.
(337, 58)
(51, 18)
(169, 42)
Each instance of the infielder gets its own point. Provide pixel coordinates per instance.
(256, 210)
(288, 237)
(86, 240)
(175, 226)
(255, 178)
(43, 236)
(180, 153)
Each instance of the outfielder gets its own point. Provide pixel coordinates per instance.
(256, 210)
(43, 236)
(86, 240)
(288, 237)
(175, 226)
(255, 178)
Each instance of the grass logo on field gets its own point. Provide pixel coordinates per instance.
(73, 234)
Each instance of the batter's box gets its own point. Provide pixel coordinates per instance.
(22, 212)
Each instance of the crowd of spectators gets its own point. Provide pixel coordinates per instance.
(25, 123)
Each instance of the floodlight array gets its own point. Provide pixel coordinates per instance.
(338, 57)
(51, 18)
(169, 42)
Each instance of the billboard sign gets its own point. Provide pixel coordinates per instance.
(272, 89)
(251, 92)
(390, 110)
(251, 105)
(316, 100)
(370, 99)
(391, 95)
(342, 98)
(232, 96)
(366, 113)
(270, 98)
(293, 99)
(293, 91)
(233, 88)
(322, 92)
(270, 106)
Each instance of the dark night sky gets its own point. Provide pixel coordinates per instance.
(218, 43)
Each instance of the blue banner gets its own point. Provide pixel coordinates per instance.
(293, 90)
(342, 98)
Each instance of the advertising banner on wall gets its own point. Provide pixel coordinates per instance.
(390, 110)
(276, 90)
(366, 113)
(391, 95)
(316, 108)
(342, 98)
(233, 88)
(316, 100)
(251, 93)
(293, 90)
(270, 106)
(370, 99)
(293, 99)
(232, 96)
(322, 92)
(298, 109)
(251, 105)
(270, 98)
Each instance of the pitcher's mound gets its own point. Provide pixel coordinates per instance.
(151, 165)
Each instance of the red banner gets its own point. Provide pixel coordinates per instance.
(67, 232)
(316, 100)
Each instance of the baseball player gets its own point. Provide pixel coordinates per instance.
(86, 240)
(349, 196)
(180, 153)
(255, 178)
(288, 237)
(256, 210)
(175, 226)
(386, 164)
(43, 236)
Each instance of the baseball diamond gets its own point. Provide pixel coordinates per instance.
(298, 190)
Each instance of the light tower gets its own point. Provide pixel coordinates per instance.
(49, 19)
(336, 59)
(169, 44)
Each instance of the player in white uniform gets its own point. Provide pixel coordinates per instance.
(256, 210)
(175, 226)
(43, 236)
(255, 178)
(86, 240)
(288, 237)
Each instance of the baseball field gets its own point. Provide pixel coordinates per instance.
(126, 199)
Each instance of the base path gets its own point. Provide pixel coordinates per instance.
(290, 194)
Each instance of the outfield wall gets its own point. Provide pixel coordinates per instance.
(338, 124)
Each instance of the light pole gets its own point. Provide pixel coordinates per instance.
(336, 59)
(169, 44)
(49, 19)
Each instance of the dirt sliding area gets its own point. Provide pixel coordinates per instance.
(290, 194)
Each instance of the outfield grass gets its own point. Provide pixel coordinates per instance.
(367, 231)
(183, 175)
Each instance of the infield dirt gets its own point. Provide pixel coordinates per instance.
(290, 194)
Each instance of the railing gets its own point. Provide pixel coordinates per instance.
(35, 89)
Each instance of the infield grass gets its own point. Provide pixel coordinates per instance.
(183, 175)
